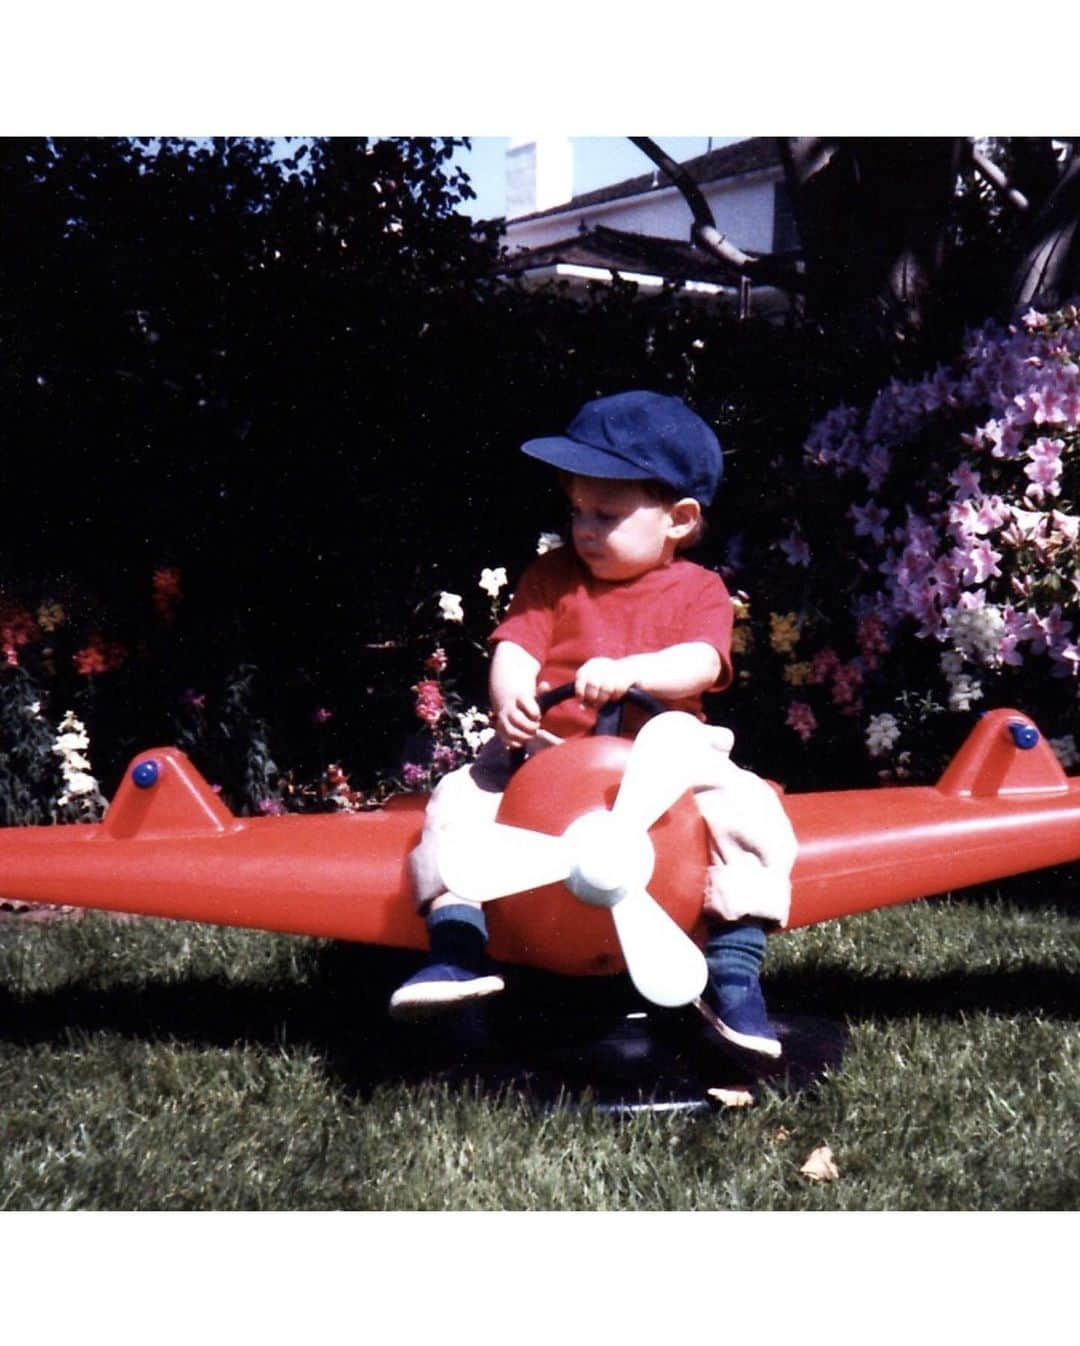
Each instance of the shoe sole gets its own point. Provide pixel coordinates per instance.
(759, 1046)
(432, 997)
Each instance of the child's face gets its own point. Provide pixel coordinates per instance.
(619, 530)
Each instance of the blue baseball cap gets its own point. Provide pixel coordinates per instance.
(637, 436)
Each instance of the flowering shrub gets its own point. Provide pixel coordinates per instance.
(941, 571)
(456, 728)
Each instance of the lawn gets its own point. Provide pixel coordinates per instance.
(158, 1066)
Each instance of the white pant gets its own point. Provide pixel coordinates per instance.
(751, 842)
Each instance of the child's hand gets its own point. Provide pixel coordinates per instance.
(517, 720)
(600, 680)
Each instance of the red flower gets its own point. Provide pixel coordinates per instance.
(99, 656)
(89, 660)
(167, 591)
(17, 627)
(430, 706)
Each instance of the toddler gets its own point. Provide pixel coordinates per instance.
(619, 608)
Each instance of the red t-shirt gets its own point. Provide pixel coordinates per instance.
(563, 616)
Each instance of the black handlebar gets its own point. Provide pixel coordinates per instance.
(609, 720)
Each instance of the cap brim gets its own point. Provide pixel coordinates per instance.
(582, 459)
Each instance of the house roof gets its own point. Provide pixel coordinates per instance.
(729, 161)
(617, 250)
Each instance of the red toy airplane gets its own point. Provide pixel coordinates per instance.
(598, 857)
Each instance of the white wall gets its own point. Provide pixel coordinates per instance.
(742, 207)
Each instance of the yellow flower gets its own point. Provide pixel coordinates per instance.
(740, 606)
(50, 616)
(799, 674)
(783, 631)
(741, 639)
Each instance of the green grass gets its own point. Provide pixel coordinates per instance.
(146, 1065)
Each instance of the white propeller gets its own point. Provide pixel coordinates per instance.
(605, 858)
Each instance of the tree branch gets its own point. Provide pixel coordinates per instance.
(704, 233)
(997, 179)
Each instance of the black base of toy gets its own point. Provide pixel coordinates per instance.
(593, 1042)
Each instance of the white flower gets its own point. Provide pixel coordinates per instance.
(450, 609)
(1067, 752)
(952, 664)
(491, 581)
(80, 785)
(549, 542)
(881, 733)
(475, 728)
(68, 745)
(976, 633)
(963, 692)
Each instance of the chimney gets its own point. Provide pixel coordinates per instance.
(539, 174)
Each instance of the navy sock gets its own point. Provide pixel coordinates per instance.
(734, 952)
(457, 934)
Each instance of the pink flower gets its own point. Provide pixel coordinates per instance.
(1025, 526)
(825, 661)
(1044, 404)
(964, 520)
(445, 758)
(993, 511)
(271, 806)
(802, 719)
(1049, 631)
(1003, 437)
(430, 705)
(847, 679)
(1009, 650)
(1068, 525)
(966, 481)
(876, 467)
(1044, 470)
(321, 715)
(976, 562)
(872, 640)
(413, 775)
(869, 520)
(796, 549)
(196, 700)
(1065, 656)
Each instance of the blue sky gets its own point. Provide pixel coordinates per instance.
(598, 161)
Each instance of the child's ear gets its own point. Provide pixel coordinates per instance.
(685, 517)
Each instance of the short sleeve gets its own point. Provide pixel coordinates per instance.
(709, 617)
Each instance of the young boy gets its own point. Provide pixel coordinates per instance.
(620, 608)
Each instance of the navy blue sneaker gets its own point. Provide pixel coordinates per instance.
(441, 986)
(736, 1009)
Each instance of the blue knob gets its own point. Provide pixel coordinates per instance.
(146, 774)
(1024, 735)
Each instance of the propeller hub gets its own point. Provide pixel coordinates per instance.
(608, 858)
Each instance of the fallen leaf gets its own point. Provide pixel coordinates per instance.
(731, 1098)
(819, 1166)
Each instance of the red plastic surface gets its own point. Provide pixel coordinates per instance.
(173, 850)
